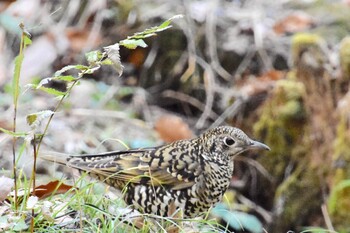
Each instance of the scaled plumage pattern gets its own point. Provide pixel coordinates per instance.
(191, 175)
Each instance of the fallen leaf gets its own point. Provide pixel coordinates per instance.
(54, 187)
(295, 22)
(172, 128)
(261, 84)
(137, 57)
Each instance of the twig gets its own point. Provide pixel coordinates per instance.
(211, 22)
(326, 217)
(230, 111)
(188, 99)
(246, 60)
(256, 165)
(209, 83)
(258, 39)
(33, 177)
(264, 213)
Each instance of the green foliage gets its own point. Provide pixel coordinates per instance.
(283, 112)
(18, 64)
(70, 75)
(317, 230)
(339, 201)
(335, 195)
(15, 84)
(133, 43)
(344, 57)
(34, 119)
(48, 90)
(136, 40)
(14, 134)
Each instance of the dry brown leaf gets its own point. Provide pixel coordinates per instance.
(260, 84)
(137, 57)
(138, 222)
(54, 187)
(172, 128)
(272, 75)
(298, 21)
(173, 229)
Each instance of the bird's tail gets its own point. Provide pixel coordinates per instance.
(55, 157)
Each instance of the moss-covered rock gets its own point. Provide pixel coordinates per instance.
(308, 53)
(281, 124)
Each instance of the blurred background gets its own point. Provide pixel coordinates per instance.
(279, 70)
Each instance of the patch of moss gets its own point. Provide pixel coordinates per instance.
(339, 200)
(344, 56)
(302, 41)
(281, 124)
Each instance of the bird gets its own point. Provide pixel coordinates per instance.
(191, 175)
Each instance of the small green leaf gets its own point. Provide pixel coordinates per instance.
(52, 91)
(17, 134)
(70, 67)
(48, 90)
(107, 62)
(166, 24)
(317, 230)
(93, 56)
(66, 78)
(152, 31)
(31, 118)
(334, 196)
(17, 72)
(27, 41)
(34, 119)
(133, 44)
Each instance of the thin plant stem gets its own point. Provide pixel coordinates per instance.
(54, 111)
(33, 177)
(14, 139)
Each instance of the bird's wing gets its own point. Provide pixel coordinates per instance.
(172, 165)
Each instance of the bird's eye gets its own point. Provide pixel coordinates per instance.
(229, 141)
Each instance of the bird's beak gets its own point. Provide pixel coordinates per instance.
(258, 145)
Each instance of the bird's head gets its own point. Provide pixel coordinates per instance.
(229, 141)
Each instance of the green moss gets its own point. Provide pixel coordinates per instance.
(309, 53)
(344, 56)
(342, 142)
(339, 200)
(281, 124)
(301, 41)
